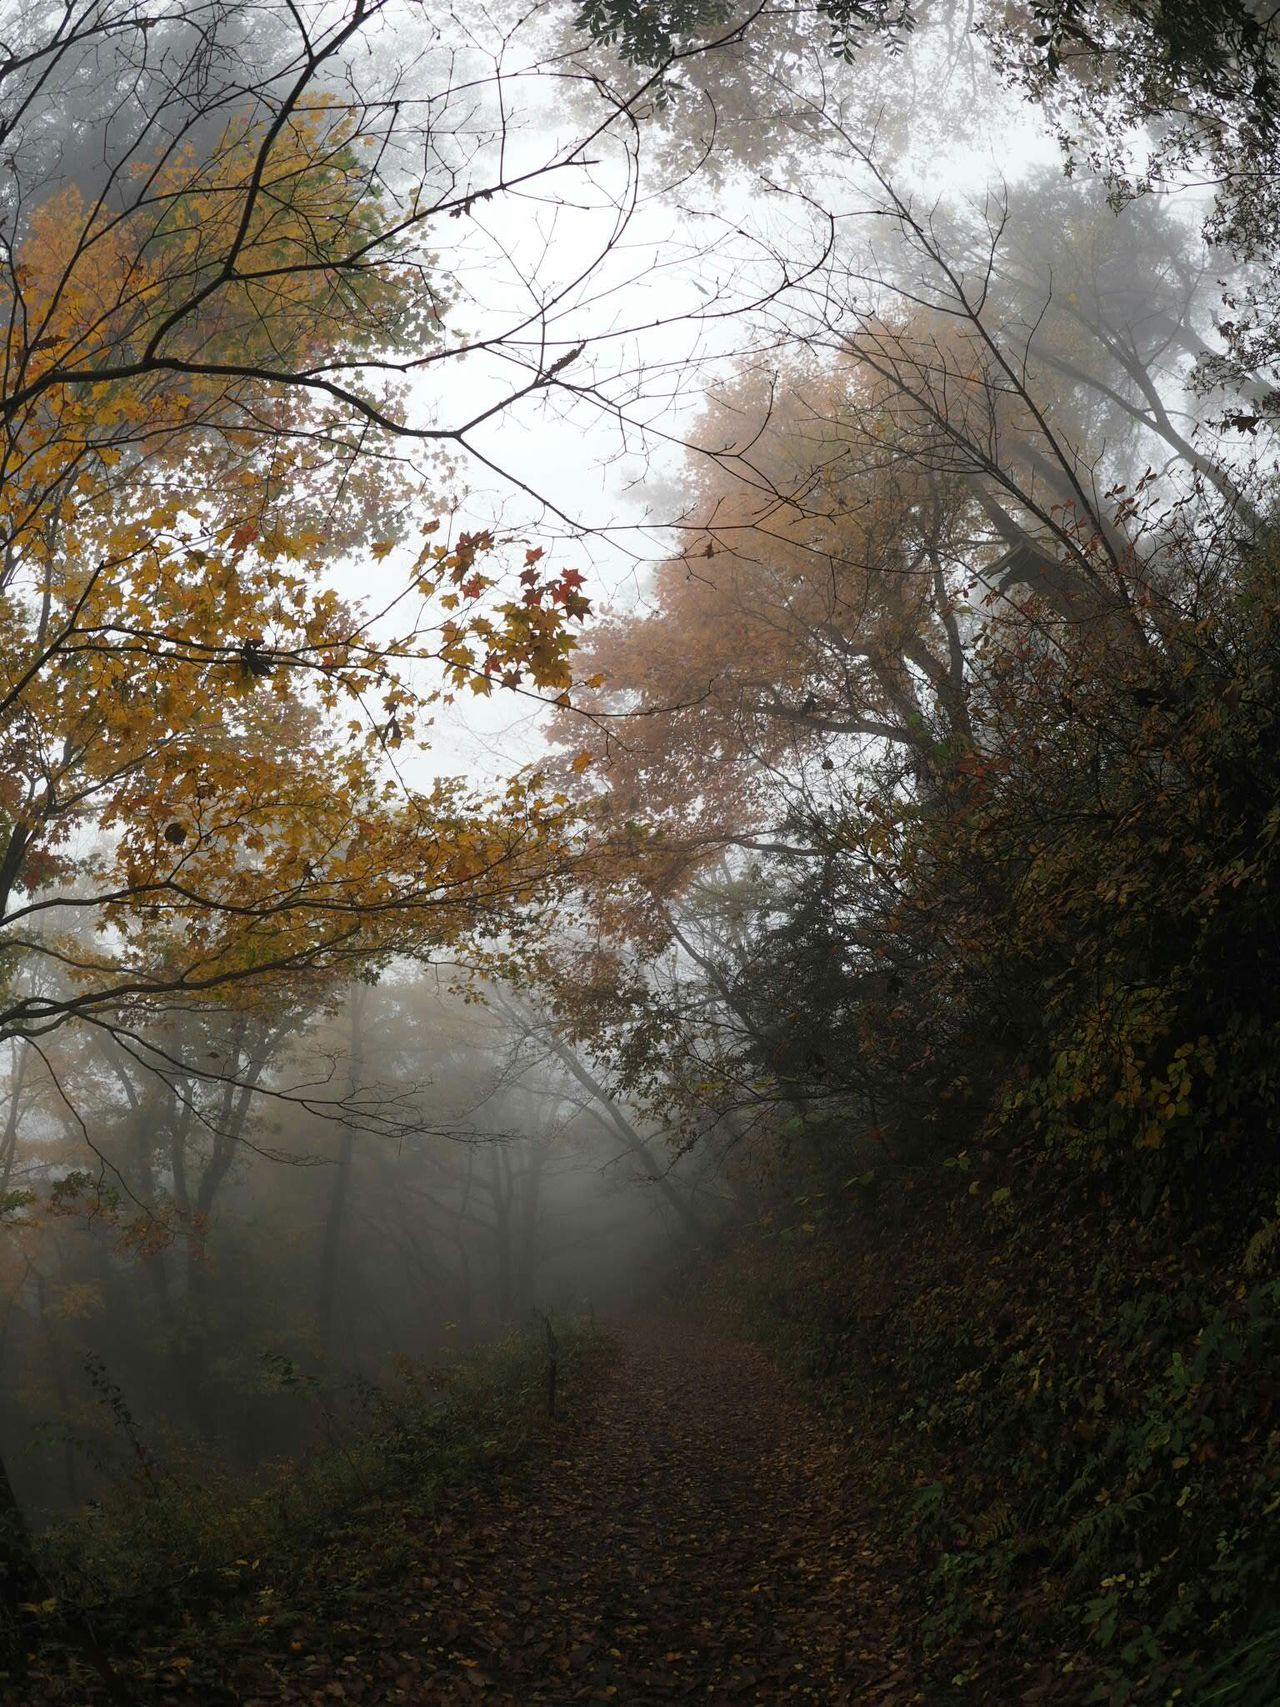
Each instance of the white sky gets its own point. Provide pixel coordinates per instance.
(661, 303)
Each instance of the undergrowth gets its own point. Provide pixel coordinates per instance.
(185, 1546)
(1068, 1418)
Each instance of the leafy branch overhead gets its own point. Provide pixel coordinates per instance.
(199, 734)
(877, 958)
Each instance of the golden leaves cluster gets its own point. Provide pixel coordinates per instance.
(197, 733)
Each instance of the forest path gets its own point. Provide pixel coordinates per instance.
(692, 1534)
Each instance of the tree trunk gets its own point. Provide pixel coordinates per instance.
(335, 1219)
(500, 1163)
(530, 1207)
(611, 1118)
(9, 1142)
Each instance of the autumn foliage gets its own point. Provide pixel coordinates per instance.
(202, 738)
(948, 890)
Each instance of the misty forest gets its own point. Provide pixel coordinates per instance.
(639, 889)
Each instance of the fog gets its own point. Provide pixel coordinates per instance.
(727, 429)
(415, 1172)
(219, 1211)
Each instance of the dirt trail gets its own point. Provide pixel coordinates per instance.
(691, 1536)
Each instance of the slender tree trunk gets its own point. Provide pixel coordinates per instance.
(611, 1118)
(9, 1141)
(57, 1365)
(527, 1239)
(335, 1218)
(466, 1310)
(500, 1163)
(331, 1248)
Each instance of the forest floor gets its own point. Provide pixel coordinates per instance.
(689, 1531)
(691, 1539)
